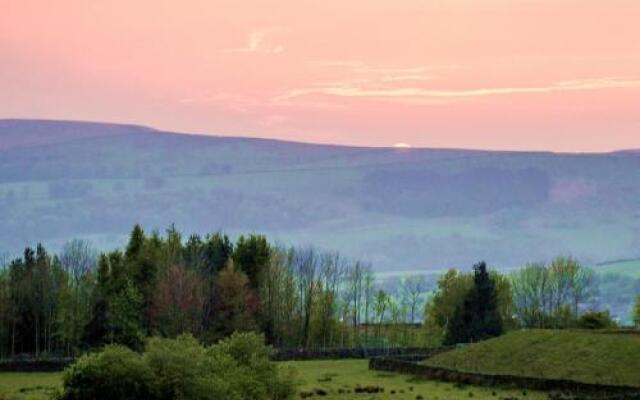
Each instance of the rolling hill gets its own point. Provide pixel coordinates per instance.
(401, 209)
(604, 358)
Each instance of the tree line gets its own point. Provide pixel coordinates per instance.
(210, 287)
(298, 297)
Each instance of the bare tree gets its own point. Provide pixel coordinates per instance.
(381, 303)
(413, 287)
(306, 266)
(369, 292)
(78, 258)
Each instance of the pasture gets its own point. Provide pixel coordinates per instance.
(336, 379)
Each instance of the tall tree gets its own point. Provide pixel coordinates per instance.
(234, 304)
(78, 259)
(413, 286)
(177, 305)
(478, 317)
(143, 258)
(251, 256)
(209, 260)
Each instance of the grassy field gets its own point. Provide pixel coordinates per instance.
(578, 355)
(28, 386)
(337, 378)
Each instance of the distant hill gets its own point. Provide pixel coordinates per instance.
(629, 268)
(399, 208)
(584, 356)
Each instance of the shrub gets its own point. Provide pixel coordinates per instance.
(114, 373)
(243, 359)
(237, 368)
(596, 320)
(176, 364)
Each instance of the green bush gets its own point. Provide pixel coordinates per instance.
(244, 360)
(596, 320)
(177, 366)
(237, 368)
(114, 373)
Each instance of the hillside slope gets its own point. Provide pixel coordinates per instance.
(577, 355)
(399, 208)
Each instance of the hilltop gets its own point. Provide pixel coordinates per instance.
(399, 208)
(604, 358)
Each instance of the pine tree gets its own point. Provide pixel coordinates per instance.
(478, 317)
(136, 241)
(251, 255)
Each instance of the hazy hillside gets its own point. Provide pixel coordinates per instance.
(401, 209)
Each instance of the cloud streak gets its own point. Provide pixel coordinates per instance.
(417, 94)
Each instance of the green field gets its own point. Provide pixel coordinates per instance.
(343, 376)
(332, 376)
(28, 386)
(577, 355)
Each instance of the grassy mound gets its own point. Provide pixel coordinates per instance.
(583, 356)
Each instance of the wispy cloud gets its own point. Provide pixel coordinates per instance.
(257, 43)
(417, 94)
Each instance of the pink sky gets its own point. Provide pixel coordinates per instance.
(502, 74)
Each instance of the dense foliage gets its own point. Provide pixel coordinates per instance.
(209, 287)
(477, 317)
(449, 312)
(236, 368)
(551, 296)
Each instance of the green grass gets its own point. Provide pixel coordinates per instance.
(331, 376)
(28, 386)
(578, 355)
(626, 268)
(345, 375)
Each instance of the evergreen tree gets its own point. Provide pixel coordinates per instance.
(143, 257)
(478, 317)
(96, 331)
(124, 316)
(209, 258)
(251, 255)
(136, 241)
(193, 253)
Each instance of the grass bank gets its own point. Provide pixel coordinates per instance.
(584, 356)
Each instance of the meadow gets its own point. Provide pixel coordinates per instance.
(337, 379)
(29, 385)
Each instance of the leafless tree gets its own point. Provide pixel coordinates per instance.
(413, 287)
(78, 258)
